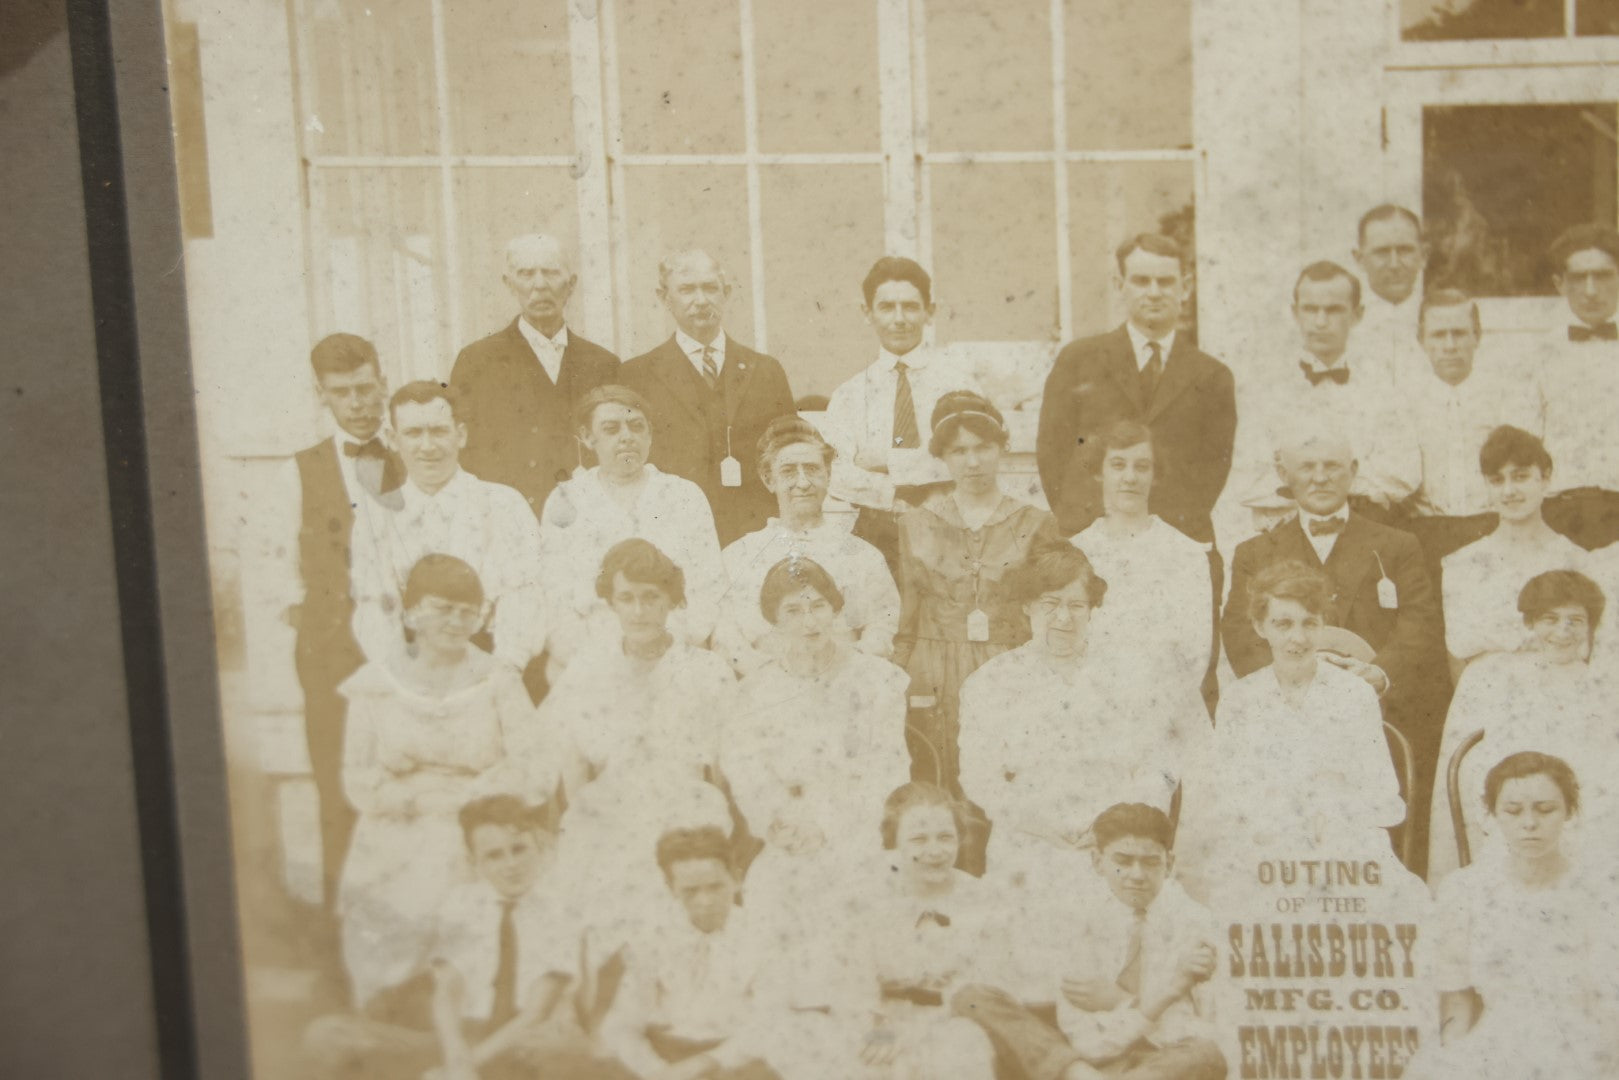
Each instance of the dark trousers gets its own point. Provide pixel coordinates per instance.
(1028, 1047)
(323, 663)
(1420, 718)
(1589, 516)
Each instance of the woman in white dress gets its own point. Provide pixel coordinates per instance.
(1159, 617)
(1546, 696)
(639, 716)
(1301, 738)
(1524, 945)
(913, 936)
(818, 737)
(795, 463)
(1480, 582)
(431, 728)
(618, 498)
(1051, 734)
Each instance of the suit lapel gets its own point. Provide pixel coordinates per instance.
(740, 364)
(674, 370)
(1291, 543)
(1121, 366)
(1351, 558)
(1180, 371)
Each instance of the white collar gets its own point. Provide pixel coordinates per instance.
(694, 348)
(535, 336)
(787, 530)
(1139, 341)
(417, 498)
(1314, 362)
(914, 360)
(1305, 517)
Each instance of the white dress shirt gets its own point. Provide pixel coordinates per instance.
(489, 526)
(1324, 542)
(466, 937)
(694, 351)
(1580, 384)
(1451, 424)
(547, 350)
(1140, 341)
(859, 423)
(1387, 337)
(870, 599)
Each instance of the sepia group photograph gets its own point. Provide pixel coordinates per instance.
(911, 539)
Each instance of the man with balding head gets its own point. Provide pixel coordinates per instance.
(1382, 592)
(711, 397)
(518, 386)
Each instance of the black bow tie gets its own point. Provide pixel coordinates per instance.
(1601, 332)
(1339, 375)
(1331, 526)
(371, 448)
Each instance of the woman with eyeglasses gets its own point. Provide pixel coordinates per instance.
(431, 728)
(1050, 736)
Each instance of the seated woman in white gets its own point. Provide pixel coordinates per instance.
(916, 931)
(1545, 696)
(795, 463)
(639, 715)
(618, 498)
(1302, 738)
(1159, 617)
(1051, 735)
(1480, 582)
(1523, 944)
(818, 736)
(430, 728)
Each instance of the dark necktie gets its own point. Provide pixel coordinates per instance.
(1152, 371)
(906, 434)
(1601, 332)
(711, 371)
(504, 1005)
(1331, 526)
(1129, 979)
(371, 448)
(1339, 375)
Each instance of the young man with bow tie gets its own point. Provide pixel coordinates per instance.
(1580, 380)
(1382, 593)
(299, 547)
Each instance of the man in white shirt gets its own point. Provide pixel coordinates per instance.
(693, 1001)
(1391, 255)
(444, 509)
(502, 958)
(1580, 382)
(1452, 413)
(877, 420)
(796, 464)
(1129, 970)
(297, 560)
(1329, 384)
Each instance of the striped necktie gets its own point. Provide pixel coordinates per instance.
(711, 371)
(906, 434)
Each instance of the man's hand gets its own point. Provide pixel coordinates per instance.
(1375, 676)
(1196, 964)
(1094, 994)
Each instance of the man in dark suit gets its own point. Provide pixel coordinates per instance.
(1146, 371)
(711, 397)
(307, 519)
(518, 386)
(1382, 594)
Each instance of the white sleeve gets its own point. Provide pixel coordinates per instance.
(843, 425)
(879, 602)
(521, 623)
(699, 556)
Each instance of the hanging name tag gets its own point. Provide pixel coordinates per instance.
(977, 625)
(1388, 597)
(731, 472)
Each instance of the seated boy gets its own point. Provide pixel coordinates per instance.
(1129, 972)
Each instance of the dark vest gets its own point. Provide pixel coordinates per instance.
(326, 650)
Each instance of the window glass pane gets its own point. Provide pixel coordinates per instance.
(1129, 74)
(823, 228)
(1596, 18)
(993, 258)
(989, 75)
(509, 76)
(816, 77)
(1499, 182)
(680, 77)
(371, 78)
(1462, 20)
(670, 208)
(380, 235)
(493, 205)
(1106, 205)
